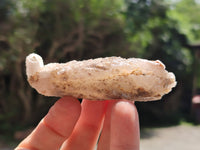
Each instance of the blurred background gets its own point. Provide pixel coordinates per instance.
(64, 30)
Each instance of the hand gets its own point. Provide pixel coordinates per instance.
(70, 125)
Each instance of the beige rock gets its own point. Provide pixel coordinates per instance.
(101, 79)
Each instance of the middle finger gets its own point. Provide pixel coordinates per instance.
(87, 129)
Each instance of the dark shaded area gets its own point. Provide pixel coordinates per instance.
(146, 133)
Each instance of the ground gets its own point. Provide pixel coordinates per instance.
(181, 137)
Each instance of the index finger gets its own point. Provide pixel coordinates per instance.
(55, 127)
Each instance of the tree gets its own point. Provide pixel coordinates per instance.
(186, 12)
(155, 35)
(59, 30)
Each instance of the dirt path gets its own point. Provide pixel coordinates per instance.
(182, 137)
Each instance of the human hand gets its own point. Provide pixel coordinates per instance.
(70, 125)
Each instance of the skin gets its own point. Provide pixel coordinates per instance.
(69, 125)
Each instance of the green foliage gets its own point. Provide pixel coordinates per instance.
(187, 12)
(59, 30)
(156, 35)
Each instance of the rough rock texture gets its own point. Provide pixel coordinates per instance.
(101, 79)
